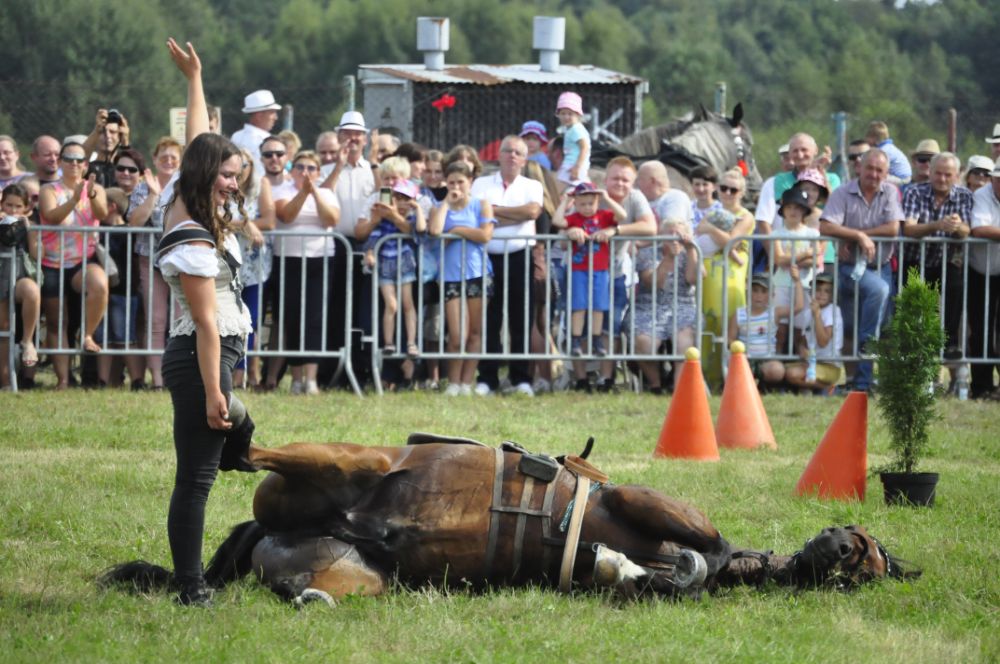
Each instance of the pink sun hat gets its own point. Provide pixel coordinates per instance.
(570, 101)
(407, 188)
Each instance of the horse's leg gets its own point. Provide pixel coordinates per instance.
(318, 460)
(304, 569)
(311, 483)
(662, 518)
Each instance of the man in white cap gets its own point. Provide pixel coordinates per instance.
(353, 181)
(984, 261)
(767, 208)
(262, 113)
(994, 141)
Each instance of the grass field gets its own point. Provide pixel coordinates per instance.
(87, 476)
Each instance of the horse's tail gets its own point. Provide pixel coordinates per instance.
(230, 562)
(137, 575)
(232, 559)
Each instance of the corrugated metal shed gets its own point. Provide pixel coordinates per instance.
(489, 101)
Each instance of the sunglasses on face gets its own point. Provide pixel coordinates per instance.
(855, 156)
(73, 160)
(306, 167)
(979, 173)
(272, 154)
(726, 189)
(127, 169)
(923, 159)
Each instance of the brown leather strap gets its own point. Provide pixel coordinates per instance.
(491, 542)
(583, 468)
(526, 494)
(550, 495)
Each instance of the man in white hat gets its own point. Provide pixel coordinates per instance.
(353, 181)
(984, 261)
(767, 208)
(262, 113)
(994, 141)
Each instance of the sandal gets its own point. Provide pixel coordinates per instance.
(412, 351)
(29, 355)
(389, 349)
(90, 346)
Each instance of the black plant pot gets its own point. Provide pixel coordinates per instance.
(914, 489)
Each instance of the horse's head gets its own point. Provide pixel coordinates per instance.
(845, 558)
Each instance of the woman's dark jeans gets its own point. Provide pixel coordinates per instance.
(199, 448)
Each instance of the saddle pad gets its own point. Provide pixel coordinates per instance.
(422, 438)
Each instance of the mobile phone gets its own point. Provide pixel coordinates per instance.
(385, 196)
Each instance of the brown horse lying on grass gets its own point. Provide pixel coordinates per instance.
(339, 519)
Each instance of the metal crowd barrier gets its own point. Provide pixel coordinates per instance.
(553, 311)
(551, 317)
(890, 251)
(277, 346)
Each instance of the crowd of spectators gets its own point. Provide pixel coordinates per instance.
(423, 227)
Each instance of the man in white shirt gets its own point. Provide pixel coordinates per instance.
(354, 183)
(984, 273)
(767, 210)
(262, 113)
(668, 204)
(517, 202)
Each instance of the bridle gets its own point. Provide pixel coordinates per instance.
(843, 577)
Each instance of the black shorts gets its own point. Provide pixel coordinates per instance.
(474, 288)
(50, 280)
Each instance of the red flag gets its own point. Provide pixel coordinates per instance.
(443, 102)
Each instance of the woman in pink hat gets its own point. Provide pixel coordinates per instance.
(576, 140)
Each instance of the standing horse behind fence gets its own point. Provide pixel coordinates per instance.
(339, 519)
(705, 138)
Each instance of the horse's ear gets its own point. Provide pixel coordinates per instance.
(703, 112)
(737, 115)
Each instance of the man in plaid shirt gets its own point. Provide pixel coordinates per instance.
(940, 208)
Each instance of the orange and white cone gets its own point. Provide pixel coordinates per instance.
(687, 431)
(839, 466)
(742, 421)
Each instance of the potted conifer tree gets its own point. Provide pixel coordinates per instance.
(908, 357)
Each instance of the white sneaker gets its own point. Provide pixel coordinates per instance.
(525, 389)
(482, 390)
(311, 387)
(298, 387)
(541, 386)
(453, 390)
(465, 390)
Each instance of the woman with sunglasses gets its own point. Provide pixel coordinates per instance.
(304, 267)
(72, 200)
(725, 270)
(130, 203)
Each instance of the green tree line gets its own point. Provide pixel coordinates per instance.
(791, 62)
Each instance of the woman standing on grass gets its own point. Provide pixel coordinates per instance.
(199, 259)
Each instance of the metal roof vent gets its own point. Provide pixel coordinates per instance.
(432, 39)
(549, 37)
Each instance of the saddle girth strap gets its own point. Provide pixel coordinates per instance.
(523, 510)
(522, 518)
(491, 542)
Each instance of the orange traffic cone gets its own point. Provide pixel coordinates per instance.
(687, 431)
(839, 465)
(742, 421)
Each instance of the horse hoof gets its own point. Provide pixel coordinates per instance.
(310, 595)
(691, 569)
